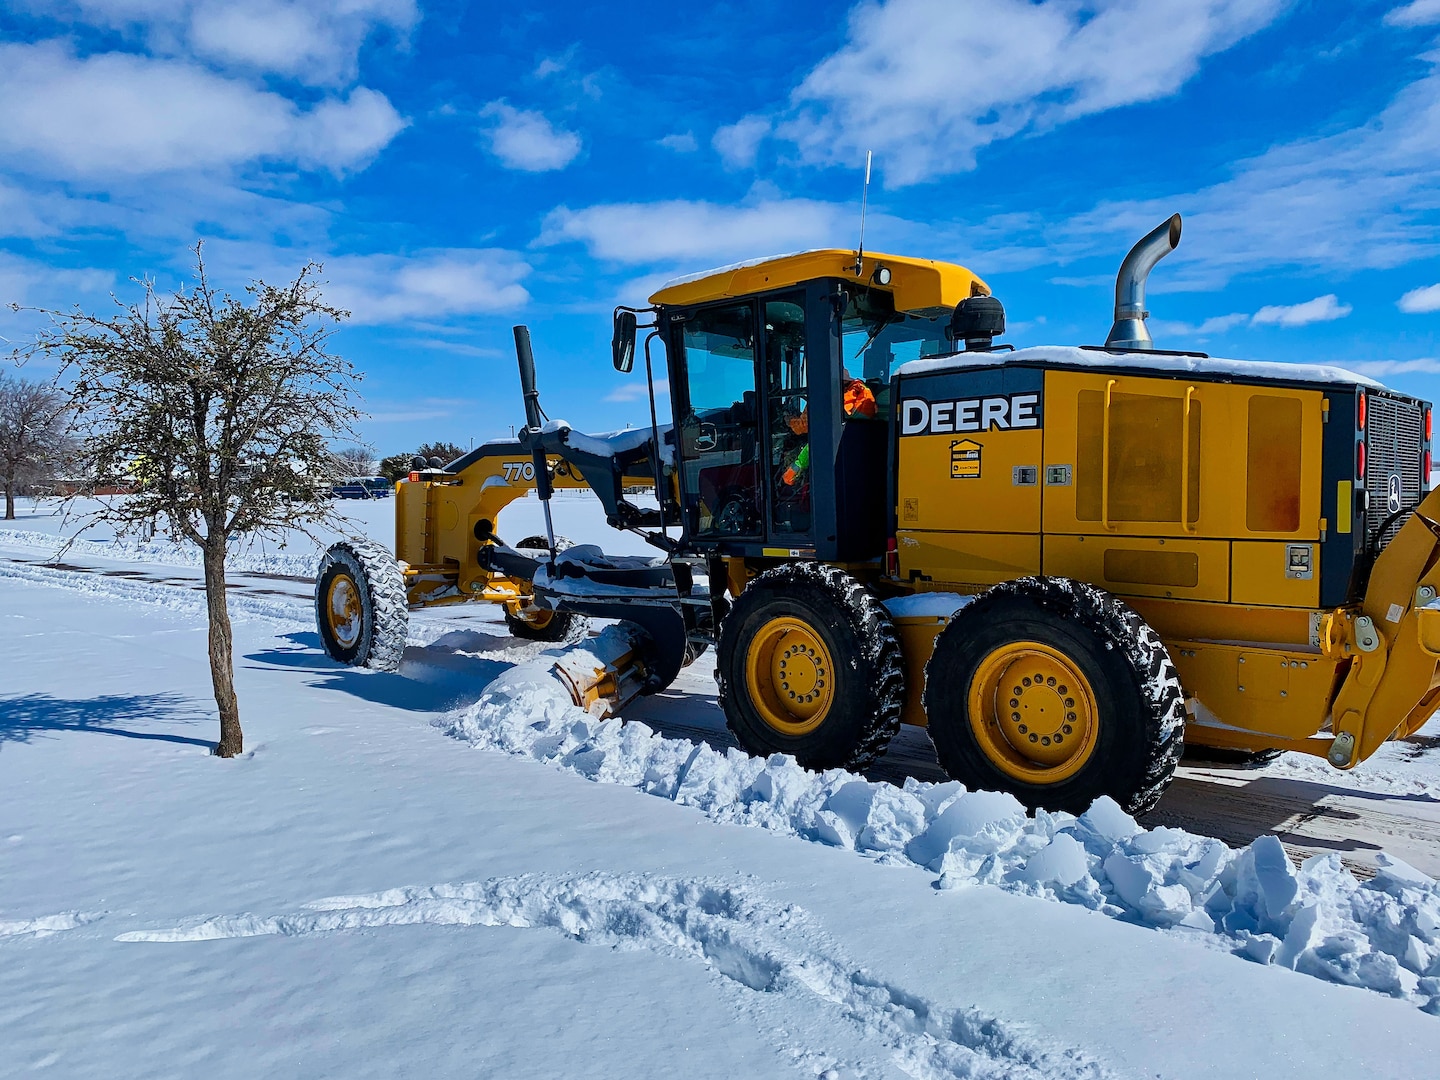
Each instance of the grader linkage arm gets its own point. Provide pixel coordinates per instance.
(1392, 643)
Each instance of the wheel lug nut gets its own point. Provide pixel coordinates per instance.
(1045, 741)
(1025, 681)
(1050, 681)
(1059, 739)
(1067, 729)
(1070, 716)
(1015, 716)
(1023, 729)
(1069, 701)
(1033, 737)
(1064, 690)
(1014, 703)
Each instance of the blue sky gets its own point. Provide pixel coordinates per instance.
(459, 167)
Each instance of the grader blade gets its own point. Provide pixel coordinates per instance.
(607, 672)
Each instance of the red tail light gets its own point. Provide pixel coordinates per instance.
(1428, 428)
(1360, 414)
(414, 477)
(1425, 475)
(892, 558)
(1360, 461)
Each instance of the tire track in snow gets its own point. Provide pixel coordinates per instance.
(755, 945)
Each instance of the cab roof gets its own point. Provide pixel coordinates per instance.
(920, 285)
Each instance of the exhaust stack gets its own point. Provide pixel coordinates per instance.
(1129, 331)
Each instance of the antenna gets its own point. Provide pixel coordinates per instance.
(864, 199)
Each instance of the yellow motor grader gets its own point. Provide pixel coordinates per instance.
(1064, 563)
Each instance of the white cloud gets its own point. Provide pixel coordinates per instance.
(687, 232)
(524, 139)
(927, 83)
(1416, 13)
(738, 143)
(313, 41)
(682, 143)
(428, 285)
(1363, 198)
(1419, 301)
(555, 65)
(26, 281)
(1378, 369)
(1322, 309)
(409, 416)
(118, 113)
(1215, 324)
(635, 390)
(1218, 324)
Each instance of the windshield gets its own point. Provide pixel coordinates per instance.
(875, 338)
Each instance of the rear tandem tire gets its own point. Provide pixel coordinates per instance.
(361, 609)
(809, 664)
(1057, 692)
(538, 624)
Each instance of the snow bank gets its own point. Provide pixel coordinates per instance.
(1382, 934)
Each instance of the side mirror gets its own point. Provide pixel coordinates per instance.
(622, 345)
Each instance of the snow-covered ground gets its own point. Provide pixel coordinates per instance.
(365, 895)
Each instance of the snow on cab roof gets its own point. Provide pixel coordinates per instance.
(1096, 358)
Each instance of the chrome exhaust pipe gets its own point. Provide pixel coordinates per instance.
(1129, 331)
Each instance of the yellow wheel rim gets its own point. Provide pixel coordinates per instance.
(343, 610)
(1033, 713)
(790, 676)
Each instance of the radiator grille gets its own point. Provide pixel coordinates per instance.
(1394, 451)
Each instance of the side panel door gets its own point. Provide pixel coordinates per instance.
(970, 445)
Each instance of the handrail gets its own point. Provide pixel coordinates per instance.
(1185, 465)
(1105, 461)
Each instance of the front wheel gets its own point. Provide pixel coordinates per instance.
(809, 664)
(360, 605)
(1055, 691)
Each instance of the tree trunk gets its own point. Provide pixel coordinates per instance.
(9, 498)
(222, 666)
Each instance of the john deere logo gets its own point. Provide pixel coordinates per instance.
(1393, 501)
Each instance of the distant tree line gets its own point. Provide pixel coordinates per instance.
(398, 466)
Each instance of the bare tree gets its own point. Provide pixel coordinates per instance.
(356, 460)
(219, 411)
(33, 433)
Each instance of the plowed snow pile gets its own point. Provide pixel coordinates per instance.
(1382, 934)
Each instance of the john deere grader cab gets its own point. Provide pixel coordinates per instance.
(1062, 562)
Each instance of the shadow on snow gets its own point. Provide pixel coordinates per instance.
(26, 717)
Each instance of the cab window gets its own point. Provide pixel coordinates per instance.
(719, 443)
(876, 339)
